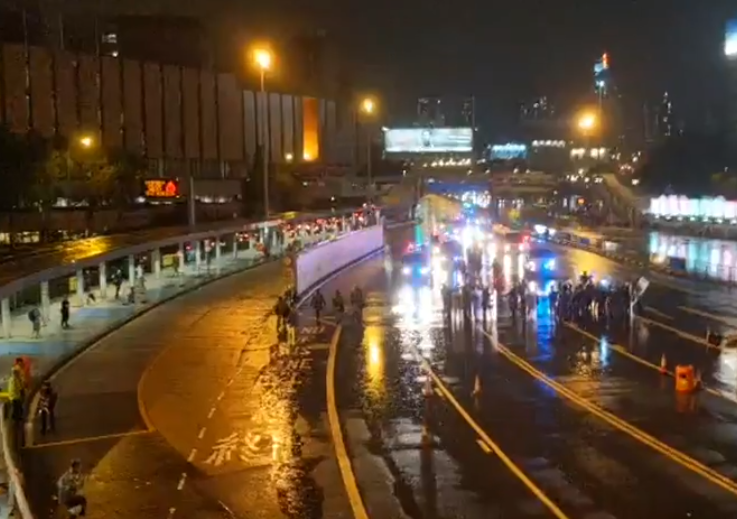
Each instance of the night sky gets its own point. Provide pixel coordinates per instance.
(502, 52)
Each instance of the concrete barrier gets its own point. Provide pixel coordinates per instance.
(315, 264)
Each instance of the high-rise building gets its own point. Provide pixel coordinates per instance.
(602, 78)
(456, 111)
(665, 117)
(537, 109)
(430, 112)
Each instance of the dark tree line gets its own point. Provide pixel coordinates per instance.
(693, 164)
(36, 172)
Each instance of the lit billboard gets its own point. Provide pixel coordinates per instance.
(730, 39)
(428, 140)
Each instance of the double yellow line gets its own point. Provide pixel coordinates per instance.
(492, 445)
(673, 454)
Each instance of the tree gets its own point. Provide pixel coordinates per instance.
(128, 172)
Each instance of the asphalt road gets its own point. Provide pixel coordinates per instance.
(602, 436)
(201, 368)
(224, 417)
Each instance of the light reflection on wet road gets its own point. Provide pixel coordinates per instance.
(585, 466)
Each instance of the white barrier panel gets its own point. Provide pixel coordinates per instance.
(324, 259)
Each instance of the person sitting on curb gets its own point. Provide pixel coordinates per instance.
(70, 490)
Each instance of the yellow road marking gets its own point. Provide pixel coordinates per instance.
(680, 333)
(623, 351)
(484, 447)
(90, 439)
(722, 319)
(675, 455)
(344, 462)
(490, 444)
(658, 313)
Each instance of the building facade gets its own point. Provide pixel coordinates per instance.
(177, 117)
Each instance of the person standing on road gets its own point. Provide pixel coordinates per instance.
(65, 313)
(70, 490)
(291, 320)
(17, 393)
(318, 304)
(46, 406)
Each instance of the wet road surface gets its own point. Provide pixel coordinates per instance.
(222, 414)
(588, 466)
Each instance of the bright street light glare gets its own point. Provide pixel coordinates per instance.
(368, 106)
(86, 141)
(587, 121)
(262, 57)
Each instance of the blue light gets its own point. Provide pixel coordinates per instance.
(549, 264)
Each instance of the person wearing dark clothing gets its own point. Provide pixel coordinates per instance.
(46, 407)
(65, 313)
(318, 304)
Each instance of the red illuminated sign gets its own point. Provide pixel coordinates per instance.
(161, 188)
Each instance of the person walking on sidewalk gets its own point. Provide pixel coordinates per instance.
(46, 406)
(65, 313)
(118, 282)
(34, 315)
(91, 299)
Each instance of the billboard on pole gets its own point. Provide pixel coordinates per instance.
(428, 140)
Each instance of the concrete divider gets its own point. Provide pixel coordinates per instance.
(311, 266)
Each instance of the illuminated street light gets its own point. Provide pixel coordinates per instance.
(368, 106)
(587, 122)
(86, 141)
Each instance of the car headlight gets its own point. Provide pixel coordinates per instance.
(550, 264)
(530, 265)
(424, 270)
(406, 271)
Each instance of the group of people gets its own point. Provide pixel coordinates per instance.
(356, 300)
(586, 298)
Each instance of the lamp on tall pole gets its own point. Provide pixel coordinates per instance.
(368, 109)
(263, 59)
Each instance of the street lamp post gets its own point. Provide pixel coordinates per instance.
(263, 59)
(368, 108)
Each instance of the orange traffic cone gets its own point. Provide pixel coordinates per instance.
(476, 387)
(427, 388)
(663, 365)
